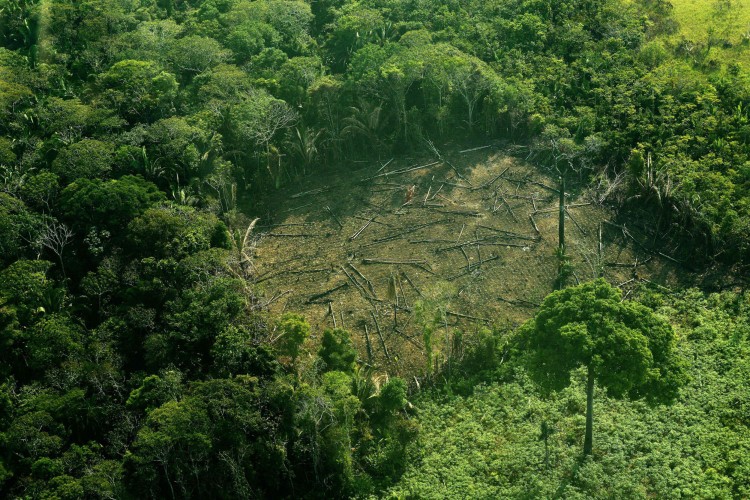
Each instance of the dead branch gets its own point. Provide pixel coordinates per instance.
(309, 271)
(403, 294)
(275, 298)
(401, 171)
(475, 149)
(296, 208)
(412, 284)
(384, 165)
(626, 282)
(458, 212)
(410, 339)
(406, 231)
(369, 283)
(574, 205)
(466, 316)
(533, 223)
(389, 261)
(488, 240)
(436, 152)
(548, 188)
(374, 221)
(357, 285)
(501, 244)
(519, 302)
(429, 241)
(583, 231)
(288, 224)
(628, 265)
(352, 237)
(469, 269)
(311, 192)
(380, 334)
(338, 221)
(510, 209)
(491, 182)
(457, 185)
(446, 199)
(468, 261)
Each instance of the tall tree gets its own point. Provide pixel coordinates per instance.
(623, 345)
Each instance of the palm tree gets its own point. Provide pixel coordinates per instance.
(366, 122)
(305, 145)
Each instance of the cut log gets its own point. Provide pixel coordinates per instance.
(407, 231)
(458, 212)
(275, 298)
(509, 234)
(338, 221)
(472, 267)
(412, 284)
(401, 171)
(380, 335)
(311, 192)
(317, 296)
(583, 231)
(475, 149)
(369, 283)
(357, 285)
(390, 261)
(466, 316)
(352, 237)
(491, 182)
(533, 223)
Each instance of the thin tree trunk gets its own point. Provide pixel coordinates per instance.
(561, 223)
(588, 441)
(561, 260)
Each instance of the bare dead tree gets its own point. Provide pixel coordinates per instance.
(56, 237)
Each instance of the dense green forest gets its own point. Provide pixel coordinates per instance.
(141, 141)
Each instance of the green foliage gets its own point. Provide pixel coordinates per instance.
(237, 351)
(181, 149)
(393, 395)
(52, 341)
(488, 443)
(630, 349)
(138, 90)
(336, 351)
(131, 372)
(175, 232)
(293, 331)
(25, 285)
(86, 159)
(107, 204)
(213, 443)
(19, 229)
(155, 391)
(194, 320)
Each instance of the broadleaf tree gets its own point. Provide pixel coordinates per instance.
(623, 345)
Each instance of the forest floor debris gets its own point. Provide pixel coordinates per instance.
(472, 237)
